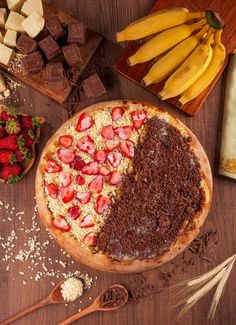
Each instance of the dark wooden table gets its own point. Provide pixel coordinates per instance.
(106, 17)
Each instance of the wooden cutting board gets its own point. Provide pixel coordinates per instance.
(227, 11)
(38, 81)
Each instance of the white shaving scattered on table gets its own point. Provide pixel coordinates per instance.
(71, 289)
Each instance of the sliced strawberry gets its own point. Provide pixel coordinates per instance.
(77, 163)
(114, 158)
(84, 197)
(124, 132)
(100, 156)
(9, 142)
(74, 212)
(87, 222)
(67, 194)
(104, 171)
(138, 118)
(52, 166)
(96, 185)
(89, 239)
(66, 155)
(86, 144)
(111, 144)
(115, 177)
(108, 132)
(127, 148)
(65, 178)
(80, 180)
(102, 204)
(51, 190)
(65, 141)
(60, 223)
(84, 122)
(90, 168)
(117, 113)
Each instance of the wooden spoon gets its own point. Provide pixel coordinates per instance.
(96, 306)
(55, 297)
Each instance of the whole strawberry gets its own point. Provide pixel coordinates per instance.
(12, 127)
(2, 131)
(8, 113)
(24, 155)
(10, 142)
(28, 122)
(7, 156)
(11, 173)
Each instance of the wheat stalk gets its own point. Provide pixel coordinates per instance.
(199, 286)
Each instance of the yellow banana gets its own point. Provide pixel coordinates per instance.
(170, 61)
(190, 70)
(157, 22)
(206, 78)
(163, 42)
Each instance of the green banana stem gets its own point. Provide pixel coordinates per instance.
(214, 20)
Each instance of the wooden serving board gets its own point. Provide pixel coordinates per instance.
(227, 11)
(38, 81)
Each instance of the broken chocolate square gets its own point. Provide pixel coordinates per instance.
(55, 27)
(32, 63)
(55, 75)
(76, 33)
(93, 86)
(49, 47)
(72, 55)
(26, 45)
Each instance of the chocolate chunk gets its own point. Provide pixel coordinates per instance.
(72, 55)
(55, 75)
(93, 86)
(49, 47)
(76, 33)
(55, 27)
(32, 63)
(26, 45)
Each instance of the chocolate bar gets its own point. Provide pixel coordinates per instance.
(93, 86)
(72, 55)
(55, 27)
(26, 45)
(55, 75)
(32, 63)
(76, 33)
(49, 47)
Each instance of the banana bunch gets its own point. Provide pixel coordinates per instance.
(186, 48)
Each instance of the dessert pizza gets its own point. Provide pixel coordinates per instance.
(123, 186)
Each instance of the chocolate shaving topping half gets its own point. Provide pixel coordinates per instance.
(159, 198)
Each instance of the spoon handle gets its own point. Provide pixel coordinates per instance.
(25, 311)
(79, 315)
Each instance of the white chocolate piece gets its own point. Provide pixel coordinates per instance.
(3, 86)
(32, 5)
(3, 16)
(1, 38)
(14, 21)
(15, 5)
(6, 54)
(10, 38)
(33, 24)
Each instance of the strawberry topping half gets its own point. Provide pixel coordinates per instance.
(114, 158)
(66, 155)
(117, 113)
(108, 132)
(74, 212)
(84, 122)
(90, 168)
(87, 222)
(89, 239)
(67, 194)
(80, 180)
(51, 190)
(86, 144)
(100, 156)
(77, 163)
(9, 142)
(124, 132)
(84, 197)
(52, 166)
(104, 171)
(138, 118)
(111, 144)
(60, 223)
(65, 141)
(65, 178)
(127, 148)
(96, 185)
(102, 203)
(115, 177)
